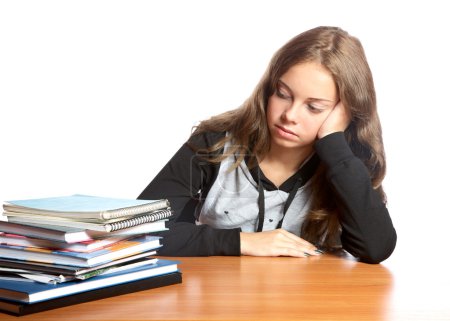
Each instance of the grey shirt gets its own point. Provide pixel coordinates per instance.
(230, 202)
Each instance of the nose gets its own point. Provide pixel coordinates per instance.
(292, 113)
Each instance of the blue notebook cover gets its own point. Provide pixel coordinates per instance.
(31, 292)
(118, 250)
(86, 206)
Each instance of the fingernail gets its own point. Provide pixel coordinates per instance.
(306, 254)
(318, 251)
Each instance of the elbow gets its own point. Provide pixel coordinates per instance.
(375, 257)
(374, 252)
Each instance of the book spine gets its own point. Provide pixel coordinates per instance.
(19, 308)
(136, 210)
(152, 217)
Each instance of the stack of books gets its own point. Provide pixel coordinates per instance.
(65, 250)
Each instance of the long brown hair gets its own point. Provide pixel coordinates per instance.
(344, 57)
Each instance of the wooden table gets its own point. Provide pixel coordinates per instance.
(255, 288)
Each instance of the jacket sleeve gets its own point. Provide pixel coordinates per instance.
(180, 181)
(367, 229)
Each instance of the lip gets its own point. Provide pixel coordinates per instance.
(285, 131)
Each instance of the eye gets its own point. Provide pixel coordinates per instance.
(314, 109)
(282, 94)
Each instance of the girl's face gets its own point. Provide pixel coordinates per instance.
(304, 97)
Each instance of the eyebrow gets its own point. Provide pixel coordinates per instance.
(291, 92)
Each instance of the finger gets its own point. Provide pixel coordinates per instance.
(296, 249)
(296, 253)
(345, 114)
(290, 251)
(298, 240)
(302, 246)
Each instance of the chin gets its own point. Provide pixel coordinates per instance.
(288, 144)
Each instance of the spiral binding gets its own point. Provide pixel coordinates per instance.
(152, 217)
(136, 210)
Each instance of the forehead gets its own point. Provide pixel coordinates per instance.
(312, 80)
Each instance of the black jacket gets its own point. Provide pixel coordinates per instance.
(367, 229)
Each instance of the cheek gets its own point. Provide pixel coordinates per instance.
(313, 124)
(272, 111)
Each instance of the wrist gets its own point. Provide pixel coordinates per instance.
(322, 134)
(333, 149)
(243, 242)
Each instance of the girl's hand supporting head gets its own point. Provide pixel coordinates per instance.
(337, 121)
(276, 243)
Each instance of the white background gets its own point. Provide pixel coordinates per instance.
(96, 96)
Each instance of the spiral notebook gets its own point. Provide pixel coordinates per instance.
(84, 207)
(110, 226)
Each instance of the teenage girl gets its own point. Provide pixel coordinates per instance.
(296, 170)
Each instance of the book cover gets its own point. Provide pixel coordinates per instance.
(20, 308)
(85, 206)
(69, 270)
(21, 274)
(31, 292)
(118, 250)
(84, 246)
(72, 235)
(114, 225)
